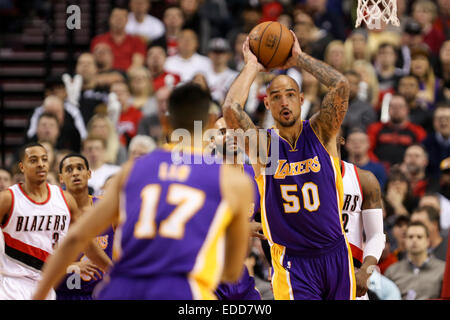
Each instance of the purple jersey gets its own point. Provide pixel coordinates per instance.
(256, 203)
(301, 202)
(173, 223)
(69, 291)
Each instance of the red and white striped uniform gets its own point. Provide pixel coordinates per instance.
(351, 211)
(30, 235)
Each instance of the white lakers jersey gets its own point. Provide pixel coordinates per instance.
(32, 231)
(351, 211)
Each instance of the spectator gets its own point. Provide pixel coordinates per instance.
(214, 108)
(444, 193)
(419, 114)
(443, 71)
(311, 89)
(429, 216)
(430, 199)
(444, 61)
(437, 143)
(237, 60)
(5, 179)
(330, 21)
(47, 129)
(419, 276)
(414, 165)
(220, 76)
(411, 37)
(425, 13)
(397, 237)
(360, 114)
(398, 195)
(335, 55)
(127, 50)
(356, 46)
(195, 19)
(91, 95)
(101, 126)
(71, 125)
(156, 58)
(422, 69)
(357, 146)
(313, 40)
(104, 60)
(129, 117)
(443, 21)
(139, 146)
(388, 141)
(152, 125)
(368, 87)
(187, 62)
(387, 73)
(173, 21)
(141, 23)
(94, 149)
(141, 90)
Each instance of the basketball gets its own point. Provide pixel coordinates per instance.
(271, 42)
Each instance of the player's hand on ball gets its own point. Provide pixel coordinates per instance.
(295, 52)
(249, 57)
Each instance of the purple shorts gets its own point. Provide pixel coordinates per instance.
(319, 275)
(154, 288)
(244, 289)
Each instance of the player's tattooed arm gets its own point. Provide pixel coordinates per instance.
(335, 103)
(233, 106)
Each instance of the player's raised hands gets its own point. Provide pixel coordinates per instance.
(249, 57)
(292, 61)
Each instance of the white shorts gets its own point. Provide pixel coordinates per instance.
(13, 288)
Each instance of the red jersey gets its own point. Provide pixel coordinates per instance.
(123, 52)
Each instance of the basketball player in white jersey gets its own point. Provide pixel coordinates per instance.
(362, 213)
(34, 217)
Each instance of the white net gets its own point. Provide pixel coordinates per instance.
(375, 12)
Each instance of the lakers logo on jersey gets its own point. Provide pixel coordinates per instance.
(296, 168)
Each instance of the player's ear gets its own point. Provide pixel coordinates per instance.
(61, 181)
(89, 174)
(21, 166)
(165, 125)
(301, 97)
(266, 103)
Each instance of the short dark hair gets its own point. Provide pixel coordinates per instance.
(386, 44)
(188, 103)
(29, 145)
(71, 155)
(432, 213)
(419, 224)
(49, 115)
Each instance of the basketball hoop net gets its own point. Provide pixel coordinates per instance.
(373, 12)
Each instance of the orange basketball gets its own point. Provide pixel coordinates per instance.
(271, 42)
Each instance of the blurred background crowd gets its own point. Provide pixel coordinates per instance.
(106, 96)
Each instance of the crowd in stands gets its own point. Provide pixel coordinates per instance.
(397, 125)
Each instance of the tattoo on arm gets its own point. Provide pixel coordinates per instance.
(236, 117)
(335, 103)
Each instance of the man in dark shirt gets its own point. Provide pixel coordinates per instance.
(408, 87)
